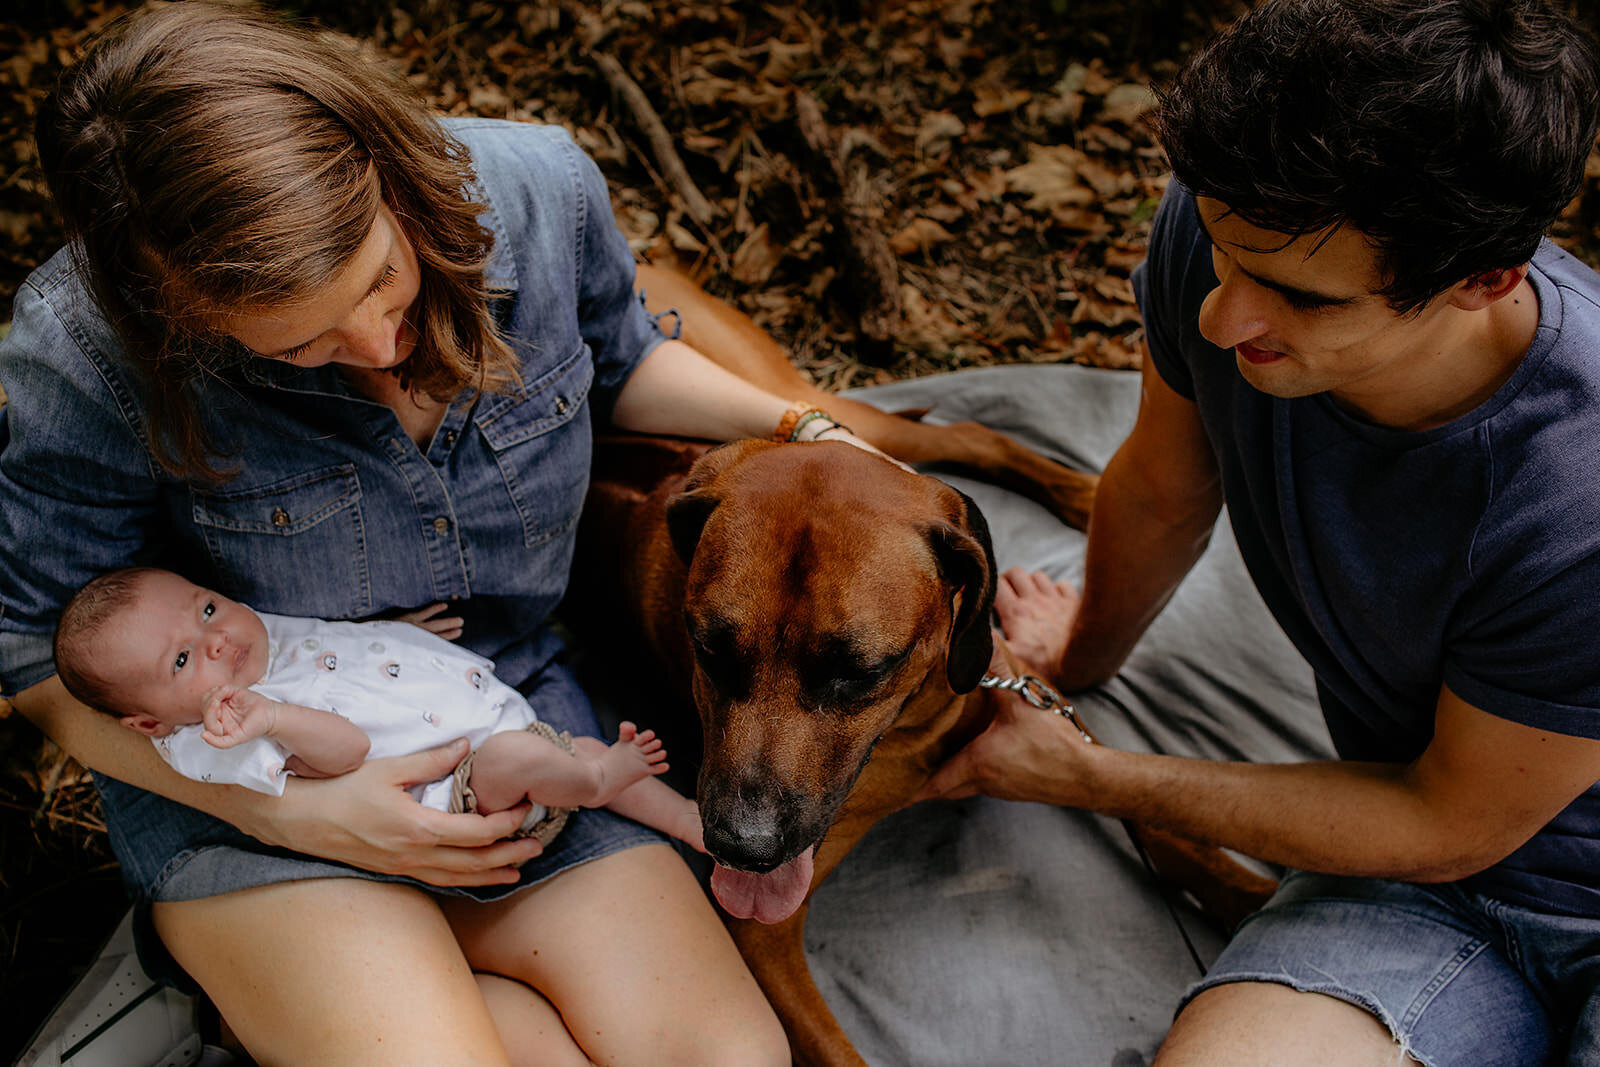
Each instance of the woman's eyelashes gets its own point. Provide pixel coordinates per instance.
(385, 280)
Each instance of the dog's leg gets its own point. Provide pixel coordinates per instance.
(777, 957)
(1225, 889)
(728, 337)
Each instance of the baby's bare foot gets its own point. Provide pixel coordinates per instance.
(690, 830)
(635, 756)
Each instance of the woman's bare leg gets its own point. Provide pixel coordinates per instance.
(334, 971)
(530, 1027)
(628, 949)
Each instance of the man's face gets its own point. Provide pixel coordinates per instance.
(176, 644)
(1303, 316)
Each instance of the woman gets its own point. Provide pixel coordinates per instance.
(334, 358)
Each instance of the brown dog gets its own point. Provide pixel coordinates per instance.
(829, 612)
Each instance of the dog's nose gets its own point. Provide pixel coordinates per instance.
(758, 852)
(750, 841)
(745, 836)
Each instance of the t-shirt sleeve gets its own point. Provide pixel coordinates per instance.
(1170, 283)
(256, 764)
(77, 492)
(1526, 661)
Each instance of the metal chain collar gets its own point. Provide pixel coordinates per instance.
(1040, 694)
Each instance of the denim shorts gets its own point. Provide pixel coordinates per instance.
(170, 852)
(1458, 978)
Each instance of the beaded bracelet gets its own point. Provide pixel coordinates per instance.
(798, 417)
(785, 428)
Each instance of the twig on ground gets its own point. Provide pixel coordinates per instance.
(874, 266)
(644, 113)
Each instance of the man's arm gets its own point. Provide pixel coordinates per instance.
(1483, 787)
(1153, 514)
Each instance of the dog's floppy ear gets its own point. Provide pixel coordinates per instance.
(966, 561)
(686, 519)
(688, 511)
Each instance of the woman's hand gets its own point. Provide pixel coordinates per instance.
(447, 627)
(833, 431)
(367, 819)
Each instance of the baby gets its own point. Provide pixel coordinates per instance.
(231, 695)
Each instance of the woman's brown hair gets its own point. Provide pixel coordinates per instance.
(211, 158)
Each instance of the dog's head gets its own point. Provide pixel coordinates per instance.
(826, 586)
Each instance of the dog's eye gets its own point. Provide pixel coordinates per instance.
(854, 682)
(714, 652)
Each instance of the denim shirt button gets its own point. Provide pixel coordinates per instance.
(449, 438)
(280, 517)
(441, 526)
(561, 405)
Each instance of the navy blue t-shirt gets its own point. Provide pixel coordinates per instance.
(1398, 562)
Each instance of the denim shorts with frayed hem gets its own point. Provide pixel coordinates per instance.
(1456, 977)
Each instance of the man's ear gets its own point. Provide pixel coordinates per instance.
(1481, 290)
(148, 725)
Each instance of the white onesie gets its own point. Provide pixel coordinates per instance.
(407, 688)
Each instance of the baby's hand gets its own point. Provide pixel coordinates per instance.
(234, 715)
(448, 627)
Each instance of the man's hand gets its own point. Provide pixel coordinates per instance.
(234, 715)
(1025, 754)
(1036, 616)
(447, 627)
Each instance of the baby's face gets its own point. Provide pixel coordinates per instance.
(176, 644)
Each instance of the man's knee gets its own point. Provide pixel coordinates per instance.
(1257, 1024)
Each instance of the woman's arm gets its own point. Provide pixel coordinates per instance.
(364, 818)
(676, 390)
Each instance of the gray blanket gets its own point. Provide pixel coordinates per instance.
(983, 932)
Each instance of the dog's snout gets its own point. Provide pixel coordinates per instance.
(750, 828)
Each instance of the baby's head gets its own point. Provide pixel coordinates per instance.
(147, 646)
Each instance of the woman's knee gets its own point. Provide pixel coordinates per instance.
(333, 971)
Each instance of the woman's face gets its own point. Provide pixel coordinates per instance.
(359, 320)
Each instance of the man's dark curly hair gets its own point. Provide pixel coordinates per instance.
(1451, 133)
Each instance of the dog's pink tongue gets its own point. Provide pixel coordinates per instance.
(766, 898)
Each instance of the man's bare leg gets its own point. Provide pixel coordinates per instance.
(1263, 1024)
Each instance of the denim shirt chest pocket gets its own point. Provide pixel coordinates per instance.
(541, 441)
(295, 543)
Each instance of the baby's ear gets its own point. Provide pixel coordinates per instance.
(148, 725)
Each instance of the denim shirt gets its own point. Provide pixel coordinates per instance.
(334, 511)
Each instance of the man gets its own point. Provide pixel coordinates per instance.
(1359, 341)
